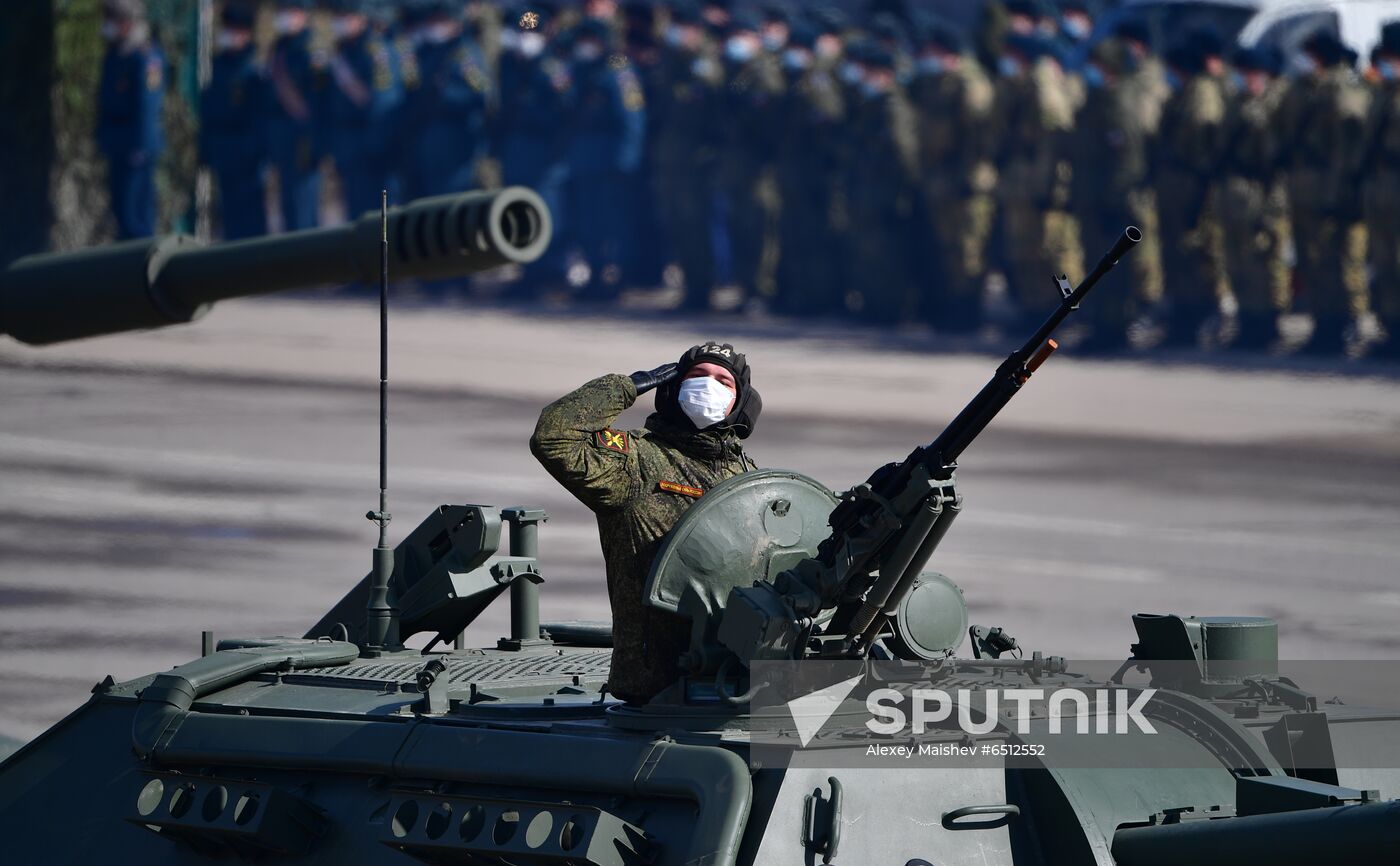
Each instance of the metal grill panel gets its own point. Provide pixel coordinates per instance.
(471, 668)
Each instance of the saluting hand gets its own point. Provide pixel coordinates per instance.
(645, 380)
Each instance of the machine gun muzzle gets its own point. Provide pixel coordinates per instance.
(154, 282)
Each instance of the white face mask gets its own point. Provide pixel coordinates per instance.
(531, 44)
(705, 401)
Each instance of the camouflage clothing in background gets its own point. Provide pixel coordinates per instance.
(1381, 201)
(1111, 189)
(1254, 207)
(752, 100)
(1322, 131)
(808, 171)
(620, 476)
(1143, 94)
(1190, 149)
(1035, 118)
(688, 87)
(955, 112)
(880, 184)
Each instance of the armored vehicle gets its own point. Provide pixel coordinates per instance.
(341, 746)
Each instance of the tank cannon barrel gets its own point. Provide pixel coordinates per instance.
(154, 282)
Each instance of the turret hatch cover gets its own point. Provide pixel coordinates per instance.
(748, 528)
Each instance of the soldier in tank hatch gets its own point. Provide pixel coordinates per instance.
(640, 482)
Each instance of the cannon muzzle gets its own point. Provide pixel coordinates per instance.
(154, 282)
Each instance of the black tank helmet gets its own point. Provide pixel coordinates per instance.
(747, 403)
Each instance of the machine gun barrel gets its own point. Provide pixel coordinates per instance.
(1020, 364)
(154, 282)
(926, 508)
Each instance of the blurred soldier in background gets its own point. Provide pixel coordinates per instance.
(1381, 168)
(1076, 28)
(1035, 117)
(1110, 169)
(294, 121)
(808, 168)
(955, 102)
(231, 139)
(129, 132)
(446, 111)
(1142, 94)
(824, 163)
(1253, 202)
(754, 88)
(536, 83)
(689, 90)
(1022, 18)
(890, 33)
(715, 15)
(1323, 123)
(883, 184)
(364, 97)
(1190, 152)
(606, 136)
(646, 251)
(484, 23)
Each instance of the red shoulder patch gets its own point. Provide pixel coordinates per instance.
(682, 489)
(614, 440)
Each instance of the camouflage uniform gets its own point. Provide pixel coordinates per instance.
(753, 95)
(1323, 123)
(688, 90)
(620, 476)
(1110, 189)
(1254, 213)
(1189, 153)
(1142, 95)
(881, 177)
(808, 170)
(1035, 118)
(1381, 198)
(955, 110)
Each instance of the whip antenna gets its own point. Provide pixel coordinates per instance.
(381, 617)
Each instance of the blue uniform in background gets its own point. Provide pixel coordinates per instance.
(530, 146)
(232, 141)
(292, 141)
(446, 118)
(365, 95)
(130, 134)
(607, 134)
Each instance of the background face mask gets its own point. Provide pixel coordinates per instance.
(704, 401)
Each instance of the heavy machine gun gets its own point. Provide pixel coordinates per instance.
(884, 531)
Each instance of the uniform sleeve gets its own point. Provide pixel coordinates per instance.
(574, 443)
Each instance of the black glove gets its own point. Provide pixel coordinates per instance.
(645, 380)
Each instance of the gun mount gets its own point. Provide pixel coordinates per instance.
(155, 282)
(838, 599)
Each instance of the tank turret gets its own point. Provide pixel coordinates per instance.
(154, 282)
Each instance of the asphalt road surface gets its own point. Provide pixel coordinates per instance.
(216, 477)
